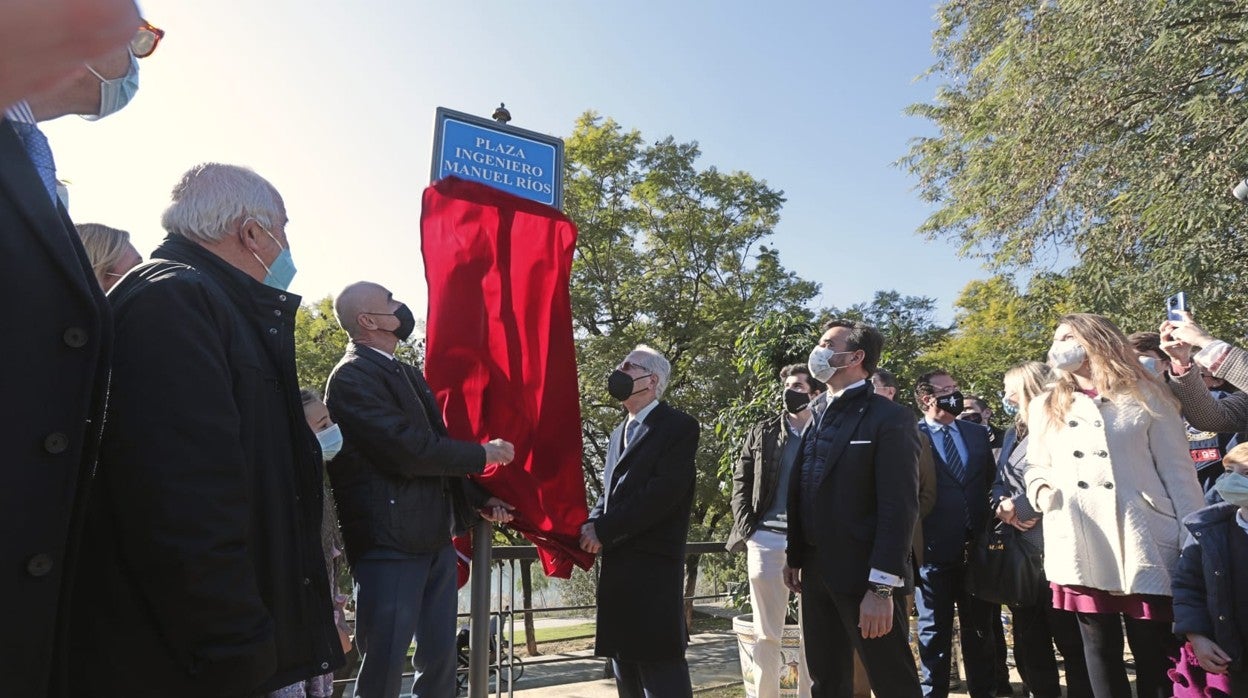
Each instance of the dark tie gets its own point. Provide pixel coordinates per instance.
(40, 154)
(952, 458)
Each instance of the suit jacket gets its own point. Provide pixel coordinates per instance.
(399, 480)
(958, 504)
(57, 341)
(867, 501)
(642, 519)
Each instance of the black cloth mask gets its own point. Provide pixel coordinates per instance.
(407, 323)
(795, 402)
(620, 385)
(951, 403)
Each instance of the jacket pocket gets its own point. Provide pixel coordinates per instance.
(1160, 504)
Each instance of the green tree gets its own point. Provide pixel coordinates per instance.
(997, 326)
(672, 256)
(1099, 133)
(319, 343)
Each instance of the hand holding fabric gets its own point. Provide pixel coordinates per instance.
(589, 539)
(496, 510)
(499, 451)
(1212, 658)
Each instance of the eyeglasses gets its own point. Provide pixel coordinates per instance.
(941, 392)
(629, 365)
(146, 40)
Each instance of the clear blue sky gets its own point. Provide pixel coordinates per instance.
(334, 103)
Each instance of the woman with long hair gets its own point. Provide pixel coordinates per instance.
(1109, 470)
(110, 252)
(1037, 625)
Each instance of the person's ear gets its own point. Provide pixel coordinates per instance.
(366, 321)
(251, 235)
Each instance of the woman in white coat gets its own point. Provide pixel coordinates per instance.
(1109, 468)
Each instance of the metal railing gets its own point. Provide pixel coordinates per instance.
(504, 662)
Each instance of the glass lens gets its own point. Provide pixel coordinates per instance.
(143, 43)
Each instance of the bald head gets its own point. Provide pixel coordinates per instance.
(361, 298)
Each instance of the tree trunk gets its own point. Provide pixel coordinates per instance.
(691, 583)
(526, 594)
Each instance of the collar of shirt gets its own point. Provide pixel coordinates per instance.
(937, 426)
(386, 354)
(1239, 519)
(20, 112)
(846, 389)
(644, 412)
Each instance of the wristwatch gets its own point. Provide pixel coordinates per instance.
(883, 591)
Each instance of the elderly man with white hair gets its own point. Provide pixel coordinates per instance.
(202, 572)
(639, 525)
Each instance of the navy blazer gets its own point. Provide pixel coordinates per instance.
(865, 506)
(642, 519)
(58, 338)
(945, 529)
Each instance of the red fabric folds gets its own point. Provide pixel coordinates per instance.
(499, 353)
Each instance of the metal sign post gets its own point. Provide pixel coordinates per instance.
(479, 622)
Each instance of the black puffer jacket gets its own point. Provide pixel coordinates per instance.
(202, 572)
(399, 480)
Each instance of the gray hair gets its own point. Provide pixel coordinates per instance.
(654, 362)
(212, 199)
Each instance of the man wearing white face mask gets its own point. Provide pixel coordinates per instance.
(58, 343)
(853, 504)
(203, 572)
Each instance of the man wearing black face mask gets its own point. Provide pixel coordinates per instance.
(760, 487)
(400, 487)
(640, 524)
(964, 474)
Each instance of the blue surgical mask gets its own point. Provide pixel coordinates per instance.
(330, 440)
(1234, 488)
(115, 94)
(1010, 408)
(281, 272)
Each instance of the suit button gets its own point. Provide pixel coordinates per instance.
(1083, 485)
(39, 565)
(1078, 454)
(75, 337)
(56, 442)
(282, 298)
(1073, 423)
(272, 330)
(278, 313)
(1217, 573)
(306, 581)
(1103, 454)
(1222, 618)
(324, 665)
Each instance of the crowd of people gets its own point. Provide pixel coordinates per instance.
(167, 473)
(1122, 464)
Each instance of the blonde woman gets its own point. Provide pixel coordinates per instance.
(109, 251)
(1037, 625)
(1109, 470)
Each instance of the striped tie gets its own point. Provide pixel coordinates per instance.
(629, 431)
(40, 154)
(952, 458)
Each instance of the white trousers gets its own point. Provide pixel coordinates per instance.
(770, 600)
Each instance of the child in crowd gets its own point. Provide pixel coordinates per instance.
(1211, 587)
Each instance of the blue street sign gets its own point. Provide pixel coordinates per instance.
(518, 161)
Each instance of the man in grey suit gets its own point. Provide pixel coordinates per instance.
(640, 524)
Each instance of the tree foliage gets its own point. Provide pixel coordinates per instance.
(319, 343)
(998, 326)
(1104, 134)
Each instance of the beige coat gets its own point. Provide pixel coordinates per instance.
(1122, 481)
